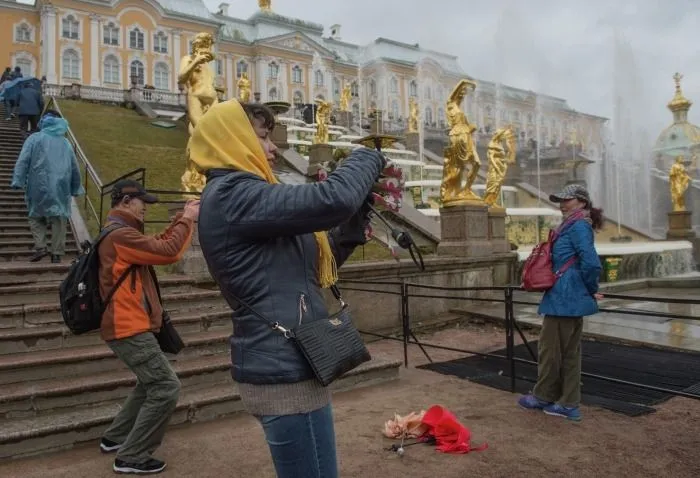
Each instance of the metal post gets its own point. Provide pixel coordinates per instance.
(404, 321)
(510, 343)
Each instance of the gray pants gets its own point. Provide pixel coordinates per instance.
(39, 227)
(559, 361)
(140, 425)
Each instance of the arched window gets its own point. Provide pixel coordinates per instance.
(394, 85)
(489, 111)
(161, 76)
(413, 88)
(273, 71)
(354, 89)
(428, 93)
(372, 87)
(504, 115)
(441, 116)
(23, 33)
(530, 118)
(160, 43)
(356, 110)
(336, 86)
(298, 98)
(136, 73)
(71, 64)
(428, 116)
(516, 115)
(241, 67)
(71, 28)
(297, 74)
(318, 78)
(111, 70)
(272, 95)
(395, 109)
(111, 34)
(136, 39)
(26, 65)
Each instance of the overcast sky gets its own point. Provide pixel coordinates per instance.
(560, 47)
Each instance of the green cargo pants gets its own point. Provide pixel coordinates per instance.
(140, 424)
(559, 361)
(39, 228)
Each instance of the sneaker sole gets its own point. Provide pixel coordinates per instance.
(127, 470)
(109, 449)
(554, 414)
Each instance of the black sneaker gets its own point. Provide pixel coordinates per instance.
(39, 255)
(108, 446)
(150, 467)
(55, 259)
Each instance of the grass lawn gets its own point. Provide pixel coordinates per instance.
(117, 140)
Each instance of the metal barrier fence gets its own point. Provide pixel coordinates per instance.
(406, 290)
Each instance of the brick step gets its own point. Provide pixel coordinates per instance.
(48, 313)
(51, 432)
(20, 255)
(42, 292)
(53, 338)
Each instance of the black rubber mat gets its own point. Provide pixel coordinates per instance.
(659, 368)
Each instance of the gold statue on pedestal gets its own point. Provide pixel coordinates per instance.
(499, 159)
(198, 80)
(244, 88)
(265, 5)
(345, 98)
(460, 154)
(679, 181)
(412, 115)
(323, 117)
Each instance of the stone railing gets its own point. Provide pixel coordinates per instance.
(114, 95)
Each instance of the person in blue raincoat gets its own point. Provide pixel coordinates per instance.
(573, 296)
(48, 172)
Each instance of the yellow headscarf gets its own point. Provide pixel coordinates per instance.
(224, 138)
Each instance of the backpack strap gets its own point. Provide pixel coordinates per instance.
(103, 234)
(566, 265)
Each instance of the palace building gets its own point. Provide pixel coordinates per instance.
(119, 44)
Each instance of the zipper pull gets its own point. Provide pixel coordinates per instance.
(302, 307)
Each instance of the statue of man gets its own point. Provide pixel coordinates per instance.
(244, 88)
(198, 78)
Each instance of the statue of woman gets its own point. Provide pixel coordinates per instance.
(412, 115)
(679, 181)
(345, 98)
(323, 116)
(244, 88)
(499, 159)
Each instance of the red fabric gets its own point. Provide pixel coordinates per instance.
(538, 275)
(450, 435)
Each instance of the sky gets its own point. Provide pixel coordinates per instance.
(563, 48)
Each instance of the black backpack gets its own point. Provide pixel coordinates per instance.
(79, 293)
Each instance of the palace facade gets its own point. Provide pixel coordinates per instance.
(123, 43)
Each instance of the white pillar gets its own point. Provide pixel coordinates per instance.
(330, 78)
(94, 50)
(230, 90)
(177, 56)
(48, 13)
(261, 65)
(407, 95)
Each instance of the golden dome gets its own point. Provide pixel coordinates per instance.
(679, 102)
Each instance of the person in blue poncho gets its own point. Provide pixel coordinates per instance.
(48, 172)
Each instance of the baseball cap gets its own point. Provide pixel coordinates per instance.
(572, 191)
(131, 188)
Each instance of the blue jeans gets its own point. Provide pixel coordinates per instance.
(303, 445)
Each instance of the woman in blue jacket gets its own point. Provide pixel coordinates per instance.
(574, 295)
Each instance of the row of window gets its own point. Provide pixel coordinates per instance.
(71, 70)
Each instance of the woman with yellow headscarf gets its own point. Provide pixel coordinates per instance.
(276, 246)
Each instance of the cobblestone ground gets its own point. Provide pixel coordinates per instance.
(521, 443)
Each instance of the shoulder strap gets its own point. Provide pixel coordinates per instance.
(153, 274)
(104, 233)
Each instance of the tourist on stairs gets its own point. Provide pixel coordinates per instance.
(574, 295)
(265, 243)
(132, 317)
(48, 172)
(30, 104)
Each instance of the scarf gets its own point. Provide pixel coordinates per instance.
(575, 215)
(225, 139)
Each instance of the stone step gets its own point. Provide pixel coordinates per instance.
(19, 255)
(15, 273)
(14, 211)
(49, 313)
(16, 203)
(27, 340)
(51, 432)
(28, 244)
(27, 372)
(25, 234)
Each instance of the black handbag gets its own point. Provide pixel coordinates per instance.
(168, 337)
(331, 346)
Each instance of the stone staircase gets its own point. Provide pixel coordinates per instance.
(57, 389)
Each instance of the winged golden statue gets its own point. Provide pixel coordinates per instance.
(323, 117)
(265, 5)
(501, 153)
(345, 98)
(461, 158)
(679, 179)
(412, 115)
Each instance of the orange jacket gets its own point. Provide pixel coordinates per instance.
(135, 307)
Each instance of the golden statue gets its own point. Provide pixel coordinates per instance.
(244, 88)
(265, 5)
(412, 115)
(323, 117)
(460, 153)
(345, 98)
(679, 180)
(198, 80)
(499, 159)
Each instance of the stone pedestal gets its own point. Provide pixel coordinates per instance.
(497, 230)
(413, 142)
(344, 119)
(680, 225)
(465, 230)
(319, 154)
(279, 136)
(192, 263)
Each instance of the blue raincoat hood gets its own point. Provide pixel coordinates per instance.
(53, 126)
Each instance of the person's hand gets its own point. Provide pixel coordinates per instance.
(598, 296)
(191, 210)
(201, 58)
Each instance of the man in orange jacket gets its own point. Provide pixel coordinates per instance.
(130, 320)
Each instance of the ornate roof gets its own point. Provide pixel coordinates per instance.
(191, 8)
(681, 136)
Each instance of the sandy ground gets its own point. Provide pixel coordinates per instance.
(521, 443)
